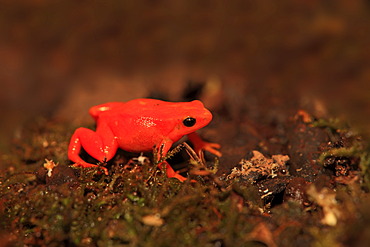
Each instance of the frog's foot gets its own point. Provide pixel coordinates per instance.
(200, 145)
(86, 165)
(171, 172)
(210, 147)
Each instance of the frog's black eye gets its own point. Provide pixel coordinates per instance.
(189, 121)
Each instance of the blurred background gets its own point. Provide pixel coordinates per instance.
(261, 58)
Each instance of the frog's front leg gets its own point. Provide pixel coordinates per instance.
(101, 145)
(162, 150)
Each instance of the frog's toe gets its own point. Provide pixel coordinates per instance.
(212, 148)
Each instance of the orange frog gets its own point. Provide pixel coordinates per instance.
(139, 126)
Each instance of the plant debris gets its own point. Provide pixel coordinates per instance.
(259, 167)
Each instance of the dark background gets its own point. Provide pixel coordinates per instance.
(58, 58)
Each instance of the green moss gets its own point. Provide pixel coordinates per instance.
(334, 124)
(355, 147)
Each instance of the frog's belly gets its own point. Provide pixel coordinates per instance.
(139, 134)
(137, 143)
(137, 140)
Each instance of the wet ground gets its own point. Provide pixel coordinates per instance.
(289, 98)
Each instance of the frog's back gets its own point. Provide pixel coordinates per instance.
(95, 111)
(132, 104)
(146, 107)
(149, 107)
(147, 102)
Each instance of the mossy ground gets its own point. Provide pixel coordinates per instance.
(318, 202)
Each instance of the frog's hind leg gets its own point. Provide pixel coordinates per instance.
(93, 144)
